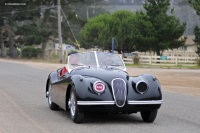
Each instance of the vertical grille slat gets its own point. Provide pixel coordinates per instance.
(119, 91)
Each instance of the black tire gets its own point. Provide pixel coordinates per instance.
(149, 116)
(76, 115)
(51, 104)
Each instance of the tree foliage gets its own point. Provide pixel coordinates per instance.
(167, 29)
(11, 13)
(196, 5)
(94, 32)
(122, 29)
(197, 39)
(99, 31)
(37, 32)
(143, 37)
(34, 22)
(31, 52)
(151, 31)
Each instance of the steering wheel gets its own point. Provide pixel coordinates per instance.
(109, 62)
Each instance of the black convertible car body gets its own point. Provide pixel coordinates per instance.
(98, 82)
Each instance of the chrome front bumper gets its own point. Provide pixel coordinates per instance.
(150, 102)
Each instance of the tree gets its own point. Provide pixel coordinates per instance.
(197, 39)
(3, 51)
(99, 31)
(167, 29)
(11, 14)
(96, 32)
(123, 30)
(38, 32)
(196, 5)
(143, 38)
(35, 34)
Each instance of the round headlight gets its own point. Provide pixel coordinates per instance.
(98, 87)
(141, 87)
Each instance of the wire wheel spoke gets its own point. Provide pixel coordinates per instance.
(49, 97)
(73, 105)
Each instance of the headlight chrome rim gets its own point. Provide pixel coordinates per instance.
(138, 89)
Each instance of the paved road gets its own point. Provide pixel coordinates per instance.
(24, 109)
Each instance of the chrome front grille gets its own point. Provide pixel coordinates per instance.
(119, 91)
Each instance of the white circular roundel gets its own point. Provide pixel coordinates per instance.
(99, 87)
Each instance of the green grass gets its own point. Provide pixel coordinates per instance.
(163, 66)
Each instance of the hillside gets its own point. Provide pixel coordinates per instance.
(182, 10)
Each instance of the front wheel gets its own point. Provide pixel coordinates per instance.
(149, 116)
(75, 114)
(51, 104)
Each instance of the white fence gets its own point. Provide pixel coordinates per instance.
(164, 60)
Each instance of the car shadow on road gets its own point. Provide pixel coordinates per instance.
(102, 118)
(112, 118)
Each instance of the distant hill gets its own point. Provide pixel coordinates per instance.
(182, 10)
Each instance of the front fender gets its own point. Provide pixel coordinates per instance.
(84, 89)
(153, 92)
(51, 78)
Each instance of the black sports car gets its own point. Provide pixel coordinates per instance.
(98, 82)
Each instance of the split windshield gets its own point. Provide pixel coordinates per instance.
(95, 59)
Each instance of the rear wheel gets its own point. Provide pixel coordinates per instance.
(149, 116)
(52, 105)
(75, 114)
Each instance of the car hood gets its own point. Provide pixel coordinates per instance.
(105, 74)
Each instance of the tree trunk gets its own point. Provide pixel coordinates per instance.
(13, 50)
(3, 50)
(158, 53)
(119, 51)
(43, 49)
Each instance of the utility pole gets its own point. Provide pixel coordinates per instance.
(61, 52)
(113, 45)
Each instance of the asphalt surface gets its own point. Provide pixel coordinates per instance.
(24, 109)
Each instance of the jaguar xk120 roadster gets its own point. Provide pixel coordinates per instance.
(98, 82)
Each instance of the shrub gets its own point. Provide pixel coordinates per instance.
(55, 56)
(31, 52)
(198, 62)
(135, 60)
(8, 52)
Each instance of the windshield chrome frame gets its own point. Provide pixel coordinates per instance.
(96, 60)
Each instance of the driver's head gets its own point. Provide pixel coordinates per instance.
(74, 59)
(108, 60)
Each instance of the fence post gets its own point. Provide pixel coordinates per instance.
(150, 60)
(176, 60)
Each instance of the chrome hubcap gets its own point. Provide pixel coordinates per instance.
(71, 104)
(49, 94)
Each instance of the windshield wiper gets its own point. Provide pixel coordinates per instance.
(80, 65)
(77, 65)
(113, 66)
(116, 65)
